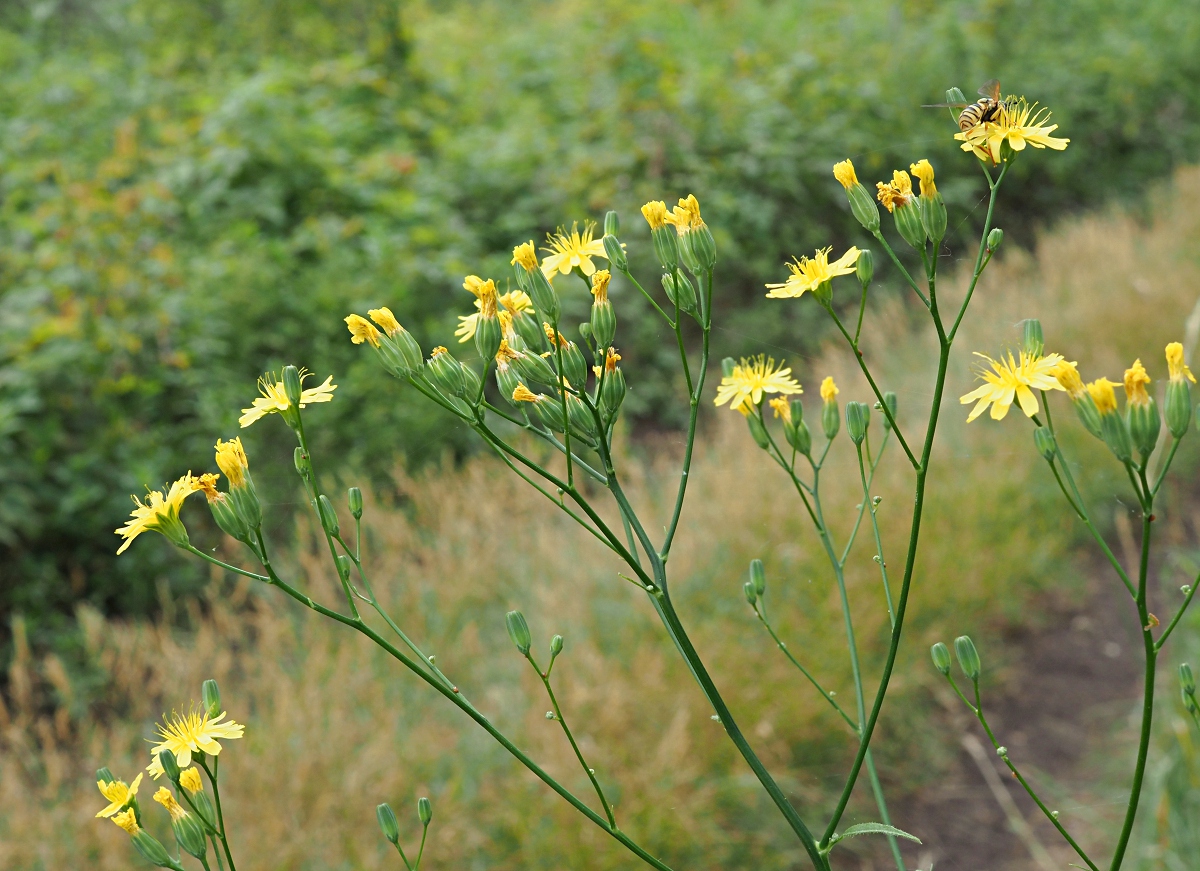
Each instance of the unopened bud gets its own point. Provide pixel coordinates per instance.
(863, 207)
(612, 391)
(210, 694)
(612, 223)
(799, 436)
(750, 593)
(666, 246)
(1032, 341)
(487, 336)
(865, 267)
(858, 418)
(104, 775)
(908, 223)
(940, 655)
(727, 366)
(291, 385)
(968, 657)
(1178, 407)
(152, 850)
(1115, 432)
(329, 519)
(170, 765)
(830, 418)
(556, 645)
(344, 566)
(355, 499)
(446, 373)
(603, 324)
(758, 431)
(614, 252)
(1089, 415)
(387, 822)
(955, 95)
(1186, 679)
(1144, 425)
(758, 576)
(518, 631)
(680, 291)
(933, 215)
(892, 403)
(189, 834)
(424, 810)
(1043, 440)
(994, 239)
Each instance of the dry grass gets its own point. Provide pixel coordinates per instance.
(334, 727)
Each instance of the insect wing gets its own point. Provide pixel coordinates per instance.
(991, 89)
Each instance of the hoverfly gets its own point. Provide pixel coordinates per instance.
(978, 112)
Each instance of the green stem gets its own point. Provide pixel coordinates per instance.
(1162, 473)
(896, 260)
(421, 849)
(866, 485)
(212, 778)
(1178, 615)
(825, 694)
(985, 254)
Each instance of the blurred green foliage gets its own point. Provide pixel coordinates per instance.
(193, 192)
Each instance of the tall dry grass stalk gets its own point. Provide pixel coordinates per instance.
(333, 727)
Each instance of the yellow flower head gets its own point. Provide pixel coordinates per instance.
(505, 354)
(611, 358)
(1101, 391)
(829, 390)
(362, 330)
(1011, 379)
(656, 214)
(386, 320)
(809, 274)
(524, 394)
(686, 215)
(193, 732)
(231, 460)
(208, 483)
(1136, 380)
(924, 173)
(1175, 365)
(1068, 378)
(128, 821)
(190, 780)
(525, 255)
(844, 173)
(118, 794)
(750, 379)
(167, 800)
(157, 509)
(554, 337)
(600, 280)
(570, 250)
(1017, 122)
(273, 397)
(513, 302)
(782, 408)
(898, 193)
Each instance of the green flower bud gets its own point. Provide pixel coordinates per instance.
(968, 657)
(727, 366)
(995, 237)
(602, 324)
(799, 437)
(865, 267)
(830, 418)
(1043, 440)
(104, 775)
(170, 765)
(544, 298)
(329, 519)
(153, 851)
(858, 418)
(758, 431)
(941, 658)
(574, 366)
(1115, 432)
(612, 391)
(446, 373)
(1089, 414)
(226, 515)
(1144, 425)
(387, 822)
(893, 403)
(1032, 341)
(518, 631)
(666, 246)
(612, 223)
(556, 645)
(401, 353)
(424, 810)
(687, 252)
(487, 336)
(955, 95)
(530, 331)
(204, 808)
(291, 385)
(863, 207)
(189, 834)
(355, 500)
(703, 246)
(1186, 680)
(210, 695)
(1178, 407)
(615, 253)
(686, 297)
(344, 566)
(908, 223)
(582, 422)
(507, 381)
(750, 593)
(933, 216)
(758, 576)
(535, 369)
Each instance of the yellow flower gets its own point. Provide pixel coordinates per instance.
(526, 256)
(516, 301)
(524, 394)
(362, 330)
(189, 779)
(656, 214)
(386, 320)
(1012, 379)
(274, 397)
(686, 215)
(118, 794)
(829, 390)
(1068, 378)
(924, 173)
(128, 821)
(231, 460)
(1017, 122)
(167, 800)
(1101, 391)
(193, 732)
(1175, 364)
(157, 509)
(898, 193)
(782, 408)
(611, 358)
(750, 379)
(1136, 380)
(570, 250)
(809, 274)
(600, 280)
(208, 483)
(844, 173)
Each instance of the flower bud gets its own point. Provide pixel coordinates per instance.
(507, 380)
(1144, 425)
(487, 336)
(941, 658)
(955, 95)
(612, 391)
(968, 657)
(204, 807)
(446, 373)
(1089, 415)
(687, 251)
(424, 810)
(757, 430)
(556, 645)
(685, 298)
(865, 266)
(612, 223)
(387, 822)
(227, 517)
(666, 247)
(858, 418)
(830, 418)
(291, 385)
(189, 834)
(750, 593)
(529, 330)
(329, 519)
(152, 850)
(1043, 440)
(518, 631)
(534, 368)
(602, 324)
(581, 419)
(727, 366)
(210, 694)
(543, 296)
(1178, 407)
(892, 403)
(615, 253)
(758, 576)
(703, 246)
(933, 216)
(344, 565)
(103, 775)
(170, 765)
(1186, 680)
(1032, 341)
(995, 237)
(574, 366)
(908, 223)
(799, 436)
(355, 500)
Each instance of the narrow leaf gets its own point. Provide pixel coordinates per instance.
(873, 829)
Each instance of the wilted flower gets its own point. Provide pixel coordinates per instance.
(897, 193)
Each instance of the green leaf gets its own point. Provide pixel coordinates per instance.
(872, 829)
